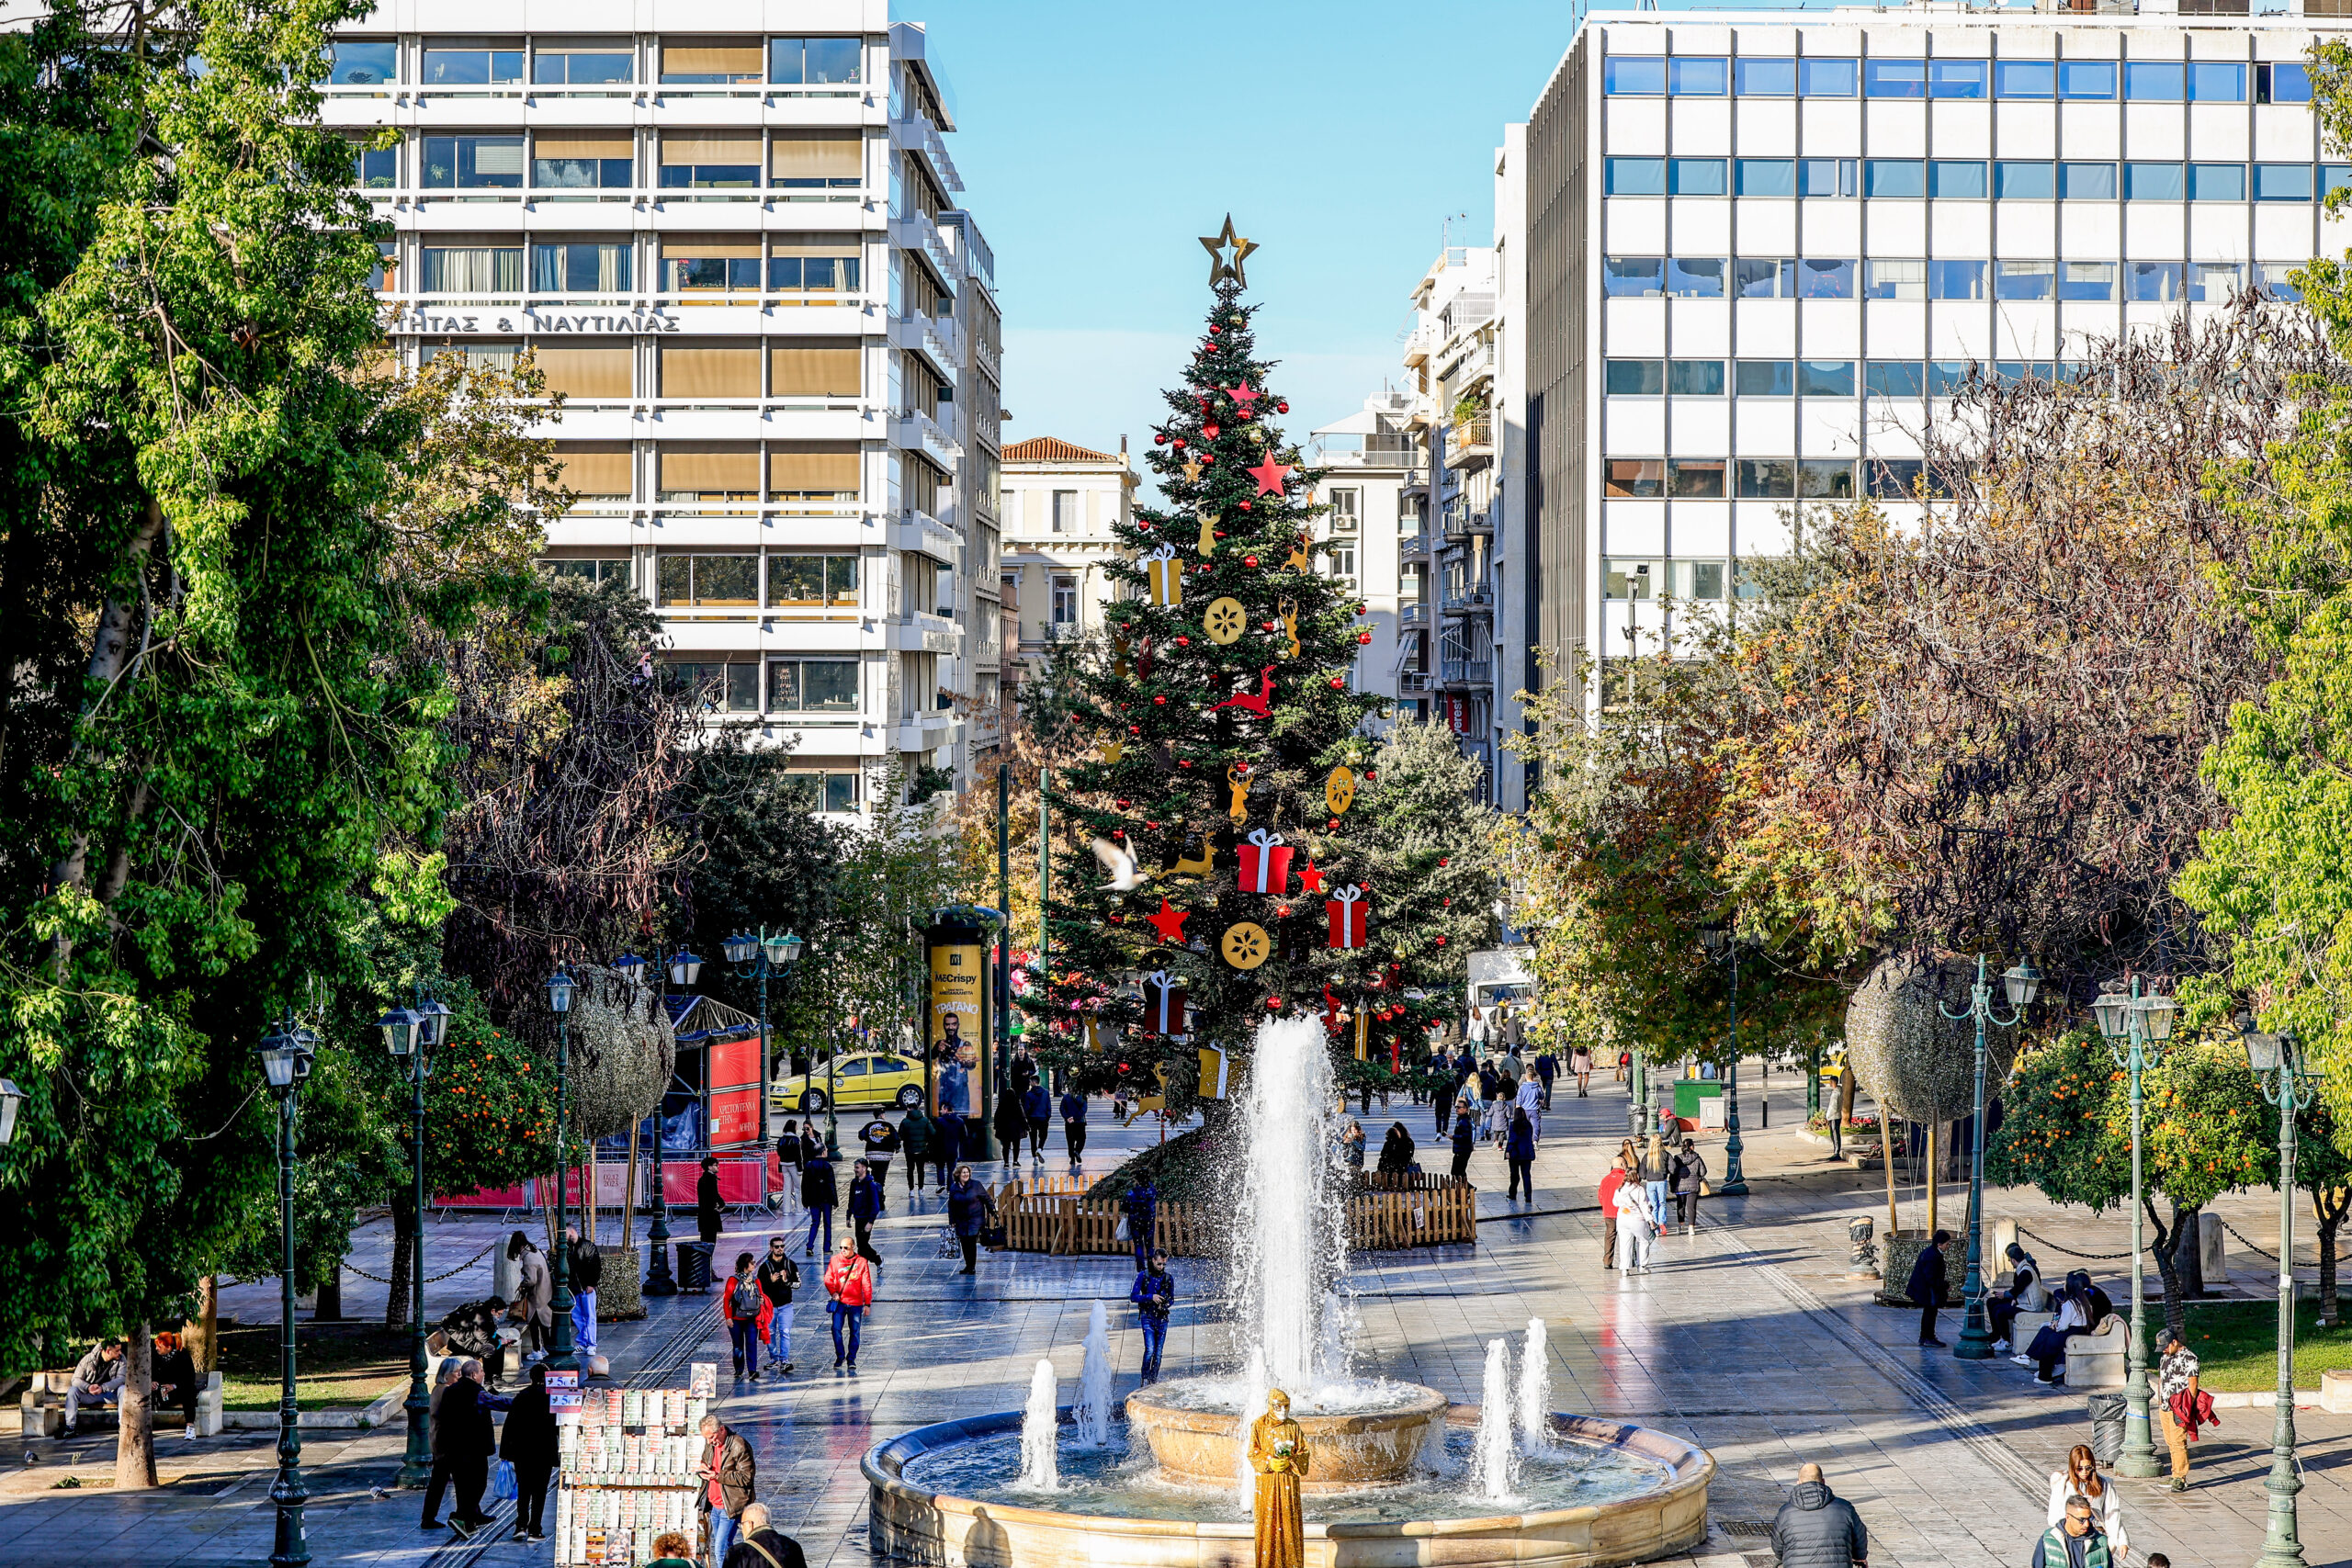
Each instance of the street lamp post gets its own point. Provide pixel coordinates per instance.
(286, 1054)
(2135, 1028)
(411, 1035)
(759, 959)
(2277, 1064)
(1722, 941)
(2022, 982)
(560, 989)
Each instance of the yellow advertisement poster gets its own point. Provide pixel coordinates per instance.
(960, 989)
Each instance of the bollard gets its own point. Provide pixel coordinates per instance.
(1857, 1236)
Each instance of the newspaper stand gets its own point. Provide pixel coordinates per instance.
(629, 1460)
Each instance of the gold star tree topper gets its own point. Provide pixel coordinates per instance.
(1218, 244)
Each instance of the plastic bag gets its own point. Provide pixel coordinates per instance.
(502, 1481)
(1120, 1234)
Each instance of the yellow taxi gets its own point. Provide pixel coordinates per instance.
(865, 1077)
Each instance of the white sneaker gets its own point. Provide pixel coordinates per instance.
(2000, 1346)
(2022, 1361)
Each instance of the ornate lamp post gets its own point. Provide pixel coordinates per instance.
(286, 1054)
(2022, 982)
(560, 1354)
(1722, 942)
(2135, 1028)
(411, 1035)
(2277, 1064)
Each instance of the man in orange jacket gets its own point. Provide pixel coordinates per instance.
(849, 1281)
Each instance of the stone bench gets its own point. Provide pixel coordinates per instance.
(2025, 1326)
(41, 1406)
(2095, 1360)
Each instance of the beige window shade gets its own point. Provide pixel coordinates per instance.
(601, 372)
(704, 59)
(708, 249)
(815, 246)
(600, 473)
(829, 368)
(709, 372)
(816, 155)
(813, 470)
(584, 144)
(680, 151)
(707, 472)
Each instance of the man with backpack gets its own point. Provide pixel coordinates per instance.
(745, 1307)
(778, 1276)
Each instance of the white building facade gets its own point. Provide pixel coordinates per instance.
(1369, 456)
(1060, 504)
(729, 233)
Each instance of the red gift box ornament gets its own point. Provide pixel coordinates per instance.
(1347, 908)
(1265, 863)
(1164, 1003)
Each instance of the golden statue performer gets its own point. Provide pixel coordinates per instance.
(1278, 1453)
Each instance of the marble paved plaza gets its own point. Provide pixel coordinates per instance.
(1749, 1337)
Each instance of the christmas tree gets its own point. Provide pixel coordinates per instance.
(1225, 753)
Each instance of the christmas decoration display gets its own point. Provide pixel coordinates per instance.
(1237, 776)
(1225, 621)
(1169, 923)
(1311, 879)
(1340, 790)
(1346, 908)
(1195, 867)
(1164, 1003)
(1164, 576)
(1220, 268)
(1207, 545)
(1245, 944)
(1265, 863)
(1257, 702)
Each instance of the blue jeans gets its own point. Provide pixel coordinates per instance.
(780, 1337)
(816, 1218)
(1155, 1338)
(1659, 1210)
(722, 1536)
(744, 1337)
(855, 1317)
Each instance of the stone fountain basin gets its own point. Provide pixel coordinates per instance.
(939, 1530)
(1347, 1452)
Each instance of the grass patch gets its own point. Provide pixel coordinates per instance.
(338, 1365)
(2237, 1345)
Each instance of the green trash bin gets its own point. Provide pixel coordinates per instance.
(1689, 1092)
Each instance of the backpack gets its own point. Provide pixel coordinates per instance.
(747, 1299)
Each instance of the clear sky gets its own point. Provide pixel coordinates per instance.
(1098, 137)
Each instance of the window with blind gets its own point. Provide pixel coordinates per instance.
(813, 264)
(471, 163)
(471, 269)
(705, 371)
(498, 356)
(822, 368)
(817, 160)
(815, 62)
(592, 269)
(688, 264)
(695, 473)
(814, 471)
(707, 581)
(595, 471)
(809, 582)
(703, 65)
(590, 372)
(578, 160)
(710, 161)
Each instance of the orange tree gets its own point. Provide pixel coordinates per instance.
(488, 1114)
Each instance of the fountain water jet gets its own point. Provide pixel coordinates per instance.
(1536, 1392)
(1494, 1460)
(1254, 1388)
(1040, 1433)
(1295, 1243)
(1094, 1407)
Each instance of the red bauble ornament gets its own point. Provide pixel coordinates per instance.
(1281, 408)
(1134, 730)
(1183, 642)
(1155, 828)
(1209, 431)
(1369, 775)
(1116, 920)
(1245, 506)
(1159, 702)
(1363, 637)
(1360, 609)
(1273, 1004)
(1440, 941)
(1185, 762)
(1241, 768)
(1143, 527)
(1160, 439)
(1332, 826)
(1178, 442)
(1443, 861)
(1212, 331)
(1125, 804)
(1449, 903)
(1337, 684)
(1248, 561)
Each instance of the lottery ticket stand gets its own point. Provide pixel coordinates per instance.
(629, 1460)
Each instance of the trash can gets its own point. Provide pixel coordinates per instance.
(693, 1265)
(2106, 1411)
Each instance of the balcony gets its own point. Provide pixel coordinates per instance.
(1412, 547)
(1465, 672)
(1470, 445)
(1468, 602)
(922, 532)
(917, 134)
(911, 427)
(1411, 613)
(1475, 362)
(916, 232)
(1420, 343)
(1386, 456)
(1465, 313)
(1412, 683)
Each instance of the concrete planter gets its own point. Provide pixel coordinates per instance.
(621, 1297)
(1901, 1250)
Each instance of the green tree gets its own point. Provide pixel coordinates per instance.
(761, 857)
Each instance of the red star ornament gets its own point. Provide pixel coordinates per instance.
(1269, 475)
(1168, 922)
(1311, 879)
(1245, 395)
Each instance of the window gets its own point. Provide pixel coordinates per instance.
(2085, 280)
(476, 163)
(471, 269)
(706, 474)
(1898, 280)
(2158, 81)
(1695, 578)
(1343, 510)
(2024, 182)
(1696, 479)
(1695, 278)
(1895, 478)
(1633, 277)
(1947, 377)
(812, 582)
(1824, 377)
(1065, 602)
(2025, 79)
(1894, 177)
(583, 67)
(1827, 176)
(375, 168)
(2025, 280)
(711, 64)
(2216, 182)
(1763, 277)
(1634, 75)
(2333, 177)
(2278, 277)
(688, 264)
(827, 791)
(817, 160)
(1695, 378)
(1628, 580)
(2155, 280)
(2216, 82)
(2086, 79)
(1765, 479)
(1767, 78)
(728, 581)
(1956, 78)
(814, 471)
(583, 161)
(1341, 559)
(1825, 279)
(816, 367)
(591, 569)
(2017, 372)
(1634, 176)
(714, 687)
(2282, 182)
(2281, 84)
(2153, 182)
(813, 264)
(1825, 479)
(580, 267)
(2214, 283)
(1633, 378)
(1065, 511)
(1764, 379)
(710, 161)
(1894, 379)
(1826, 78)
(589, 373)
(1698, 76)
(1955, 280)
(596, 470)
(369, 63)
(1767, 176)
(1637, 479)
(2086, 182)
(1956, 180)
(1697, 177)
(1895, 79)
(816, 61)
(812, 686)
(471, 67)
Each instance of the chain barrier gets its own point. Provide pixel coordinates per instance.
(430, 1278)
(2093, 1256)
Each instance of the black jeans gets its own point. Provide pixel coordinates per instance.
(468, 1477)
(530, 1495)
(1928, 1322)
(1461, 1164)
(1074, 1134)
(880, 1166)
(1037, 1126)
(864, 1229)
(971, 1246)
(1522, 1172)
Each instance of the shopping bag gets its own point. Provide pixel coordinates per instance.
(502, 1482)
(1120, 1232)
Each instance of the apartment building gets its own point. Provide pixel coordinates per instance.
(1375, 539)
(1060, 504)
(735, 248)
(1760, 245)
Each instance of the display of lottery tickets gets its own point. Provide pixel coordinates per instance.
(629, 1474)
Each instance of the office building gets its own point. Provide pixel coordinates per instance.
(1061, 504)
(1369, 456)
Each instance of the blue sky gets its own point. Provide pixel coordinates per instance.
(1097, 140)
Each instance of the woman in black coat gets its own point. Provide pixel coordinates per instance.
(968, 1208)
(1465, 1138)
(528, 1444)
(706, 1204)
(1396, 1151)
(864, 1208)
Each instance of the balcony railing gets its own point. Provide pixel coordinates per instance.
(1469, 602)
(1468, 671)
(1412, 547)
(1412, 613)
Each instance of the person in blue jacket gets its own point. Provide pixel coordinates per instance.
(1038, 1109)
(1141, 1206)
(1153, 1293)
(864, 1208)
(1074, 1125)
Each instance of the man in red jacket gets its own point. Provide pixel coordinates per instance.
(1609, 1185)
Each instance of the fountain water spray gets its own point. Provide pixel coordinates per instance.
(1254, 1385)
(1332, 1353)
(1093, 1411)
(1494, 1460)
(1535, 1393)
(1040, 1465)
(1293, 1243)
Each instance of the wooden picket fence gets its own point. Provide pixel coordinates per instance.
(1434, 1211)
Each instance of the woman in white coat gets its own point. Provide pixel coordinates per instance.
(2081, 1478)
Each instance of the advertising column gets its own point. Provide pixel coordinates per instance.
(957, 1023)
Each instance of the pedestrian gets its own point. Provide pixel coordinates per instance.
(1011, 1125)
(2049, 1346)
(1529, 1099)
(1351, 1141)
(917, 1137)
(587, 1264)
(864, 1208)
(533, 1309)
(953, 1094)
(171, 1374)
(969, 1206)
(708, 1211)
(1927, 1286)
(1547, 1068)
(2025, 1292)
(1611, 1179)
(1519, 1153)
(472, 1330)
(744, 1305)
(528, 1444)
(463, 1440)
(1153, 1293)
(728, 1475)
(1817, 1529)
(2081, 1478)
(1637, 1223)
(881, 1141)
(1658, 1177)
(2158, 1559)
(819, 1196)
(2181, 1403)
(1037, 1111)
(1465, 1138)
(1625, 1064)
(1140, 1204)
(849, 1281)
(1396, 1151)
(1074, 1125)
(1022, 1071)
(779, 1276)
(98, 1378)
(2075, 1542)
(1689, 1180)
(789, 1153)
(671, 1550)
(759, 1544)
(1477, 1033)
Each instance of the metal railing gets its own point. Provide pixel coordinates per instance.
(1468, 671)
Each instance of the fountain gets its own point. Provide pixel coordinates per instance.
(1094, 1407)
(1176, 1493)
